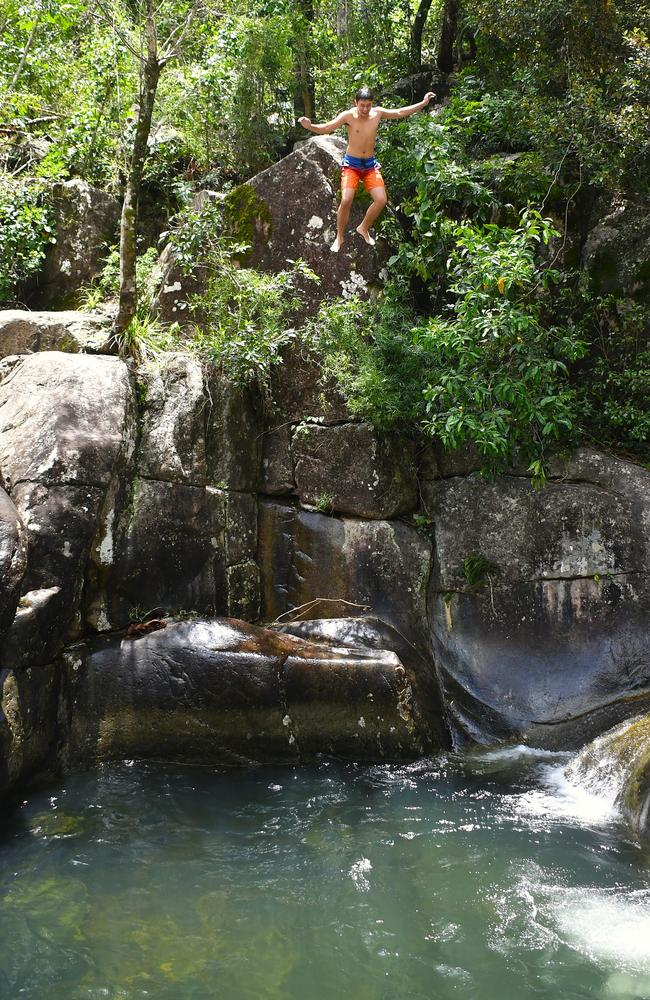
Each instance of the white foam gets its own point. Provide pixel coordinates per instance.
(562, 799)
(610, 927)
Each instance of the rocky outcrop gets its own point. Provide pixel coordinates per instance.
(23, 332)
(13, 559)
(616, 252)
(351, 469)
(284, 214)
(86, 225)
(539, 600)
(219, 691)
(66, 428)
(515, 613)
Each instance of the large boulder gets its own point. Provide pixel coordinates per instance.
(24, 332)
(67, 429)
(223, 691)
(183, 534)
(539, 600)
(616, 252)
(86, 224)
(288, 213)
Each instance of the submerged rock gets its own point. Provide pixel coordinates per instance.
(219, 691)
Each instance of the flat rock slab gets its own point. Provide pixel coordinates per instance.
(219, 691)
(24, 332)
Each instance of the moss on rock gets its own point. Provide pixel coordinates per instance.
(247, 216)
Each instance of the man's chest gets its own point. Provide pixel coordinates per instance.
(363, 128)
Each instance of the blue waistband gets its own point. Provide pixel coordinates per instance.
(359, 162)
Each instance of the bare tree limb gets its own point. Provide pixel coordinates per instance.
(25, 53)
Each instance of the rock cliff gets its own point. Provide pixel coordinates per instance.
(397, 585)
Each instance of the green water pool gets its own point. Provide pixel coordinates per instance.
(486, 878)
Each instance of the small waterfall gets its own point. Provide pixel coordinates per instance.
(616, 768)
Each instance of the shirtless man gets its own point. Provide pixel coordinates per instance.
(359, 163)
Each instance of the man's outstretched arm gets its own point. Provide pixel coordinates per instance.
(410, 110)
(328, 127)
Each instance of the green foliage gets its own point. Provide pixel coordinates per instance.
(145, 337)
(107, 286)
(477, 568)
(494, 373)
(502, 368)
(25, 232)
(614, 391)
(367, 348)
(243, 317)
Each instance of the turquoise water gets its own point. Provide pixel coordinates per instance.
(487, 879)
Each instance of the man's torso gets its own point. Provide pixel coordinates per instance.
(362, 133)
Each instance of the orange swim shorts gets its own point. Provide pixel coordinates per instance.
(350, 177)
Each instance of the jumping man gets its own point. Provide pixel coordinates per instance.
(359, 163)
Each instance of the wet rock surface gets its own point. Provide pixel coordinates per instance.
(539, 601)
(375, 567)
(218, 691)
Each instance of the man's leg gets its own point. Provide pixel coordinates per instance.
(377, 206)
(342, 217)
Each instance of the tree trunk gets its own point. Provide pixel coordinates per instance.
(417, 30)
(25, 53)
(128, 302)
(303, 89)
(448, 36)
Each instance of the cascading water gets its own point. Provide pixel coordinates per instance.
(506, 873)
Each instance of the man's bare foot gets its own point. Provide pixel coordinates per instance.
(336, 245)
(366, 235)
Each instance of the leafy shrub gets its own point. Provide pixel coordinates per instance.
(243, 318)
(495, 373)
(25, 232)
(614, 388)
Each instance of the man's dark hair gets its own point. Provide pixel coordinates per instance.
(364, 94)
